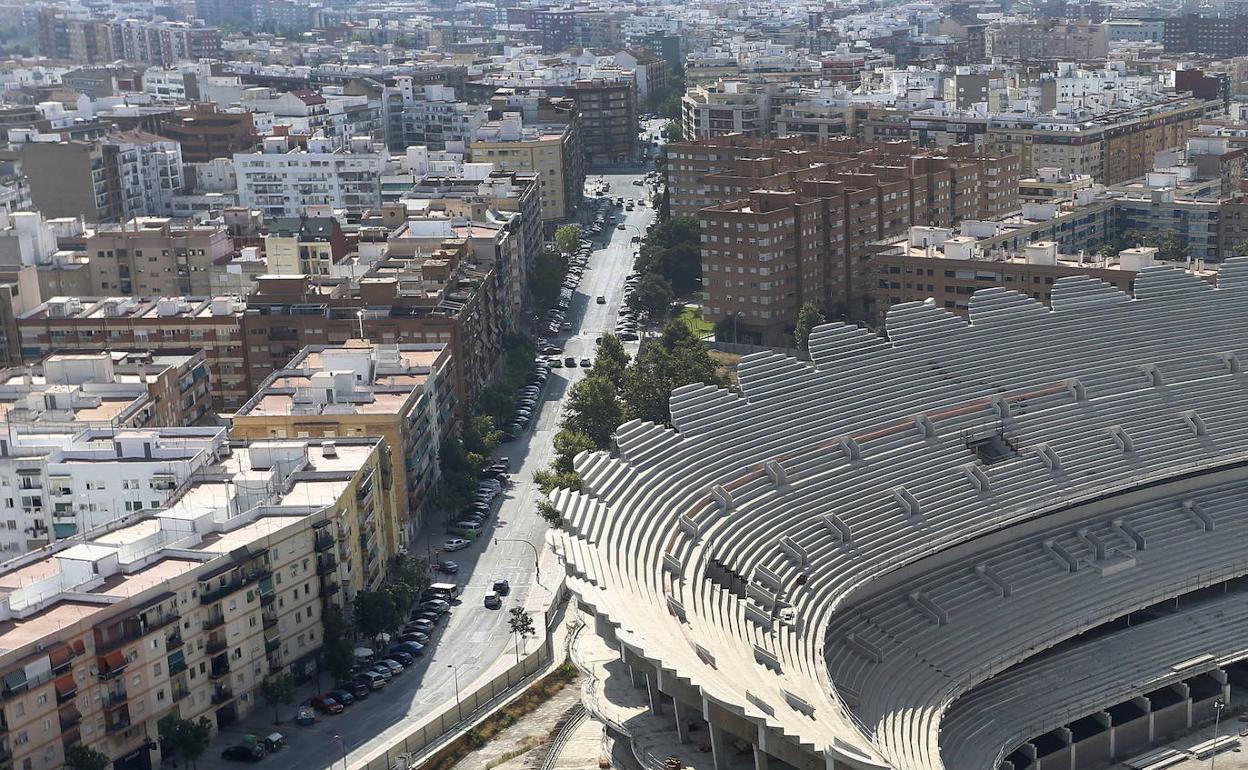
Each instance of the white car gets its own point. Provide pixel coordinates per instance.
(456, 544)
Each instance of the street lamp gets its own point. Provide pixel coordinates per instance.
(343, 745)
(458, 706)
(359, 317)
(537, 559)
(1218, 705)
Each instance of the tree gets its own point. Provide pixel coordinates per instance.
(550, 514)
(375, 613)
(82, 757)
(569, 444)
(594, 409)
(673, 250)
(480, 438)
(610, 361)
(496, 401)
(182, 737)
(278, 689)
(726, 329)
(337, 654)
(521, 623)
(808, 317)
(673, 132)
(567, 238)
(1172, 248)
(549, 480)
(1107, 252)
(652, 297)
(678, 359)
(1240, 249)
(546, 277)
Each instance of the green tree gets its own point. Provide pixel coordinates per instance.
(276, 690)
(1240, 249)
(677, 359)
(550, 514)
(375, 613)
(521, 624)
(496, 401)
(594, 409)
(652, 298)
(1107, 252)
(673, 250)
(567, 238)
(673, 132)
(337, 654)
(568, 444)
(480, 437)
(546, 277)
(610, 361)
(184, 738)
(550, 480)
(808, 317)
(1171, 247)
(82, 757)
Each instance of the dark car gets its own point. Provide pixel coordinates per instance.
(325, 704)
(358, 690)
(446, 566)
(403, 657)
(502, 587)
(415, 636)
(243, 753)
(421, 626)
(436, 605)
(342, 696)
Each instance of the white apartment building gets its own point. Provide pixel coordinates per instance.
(150, 172)
(283, 181)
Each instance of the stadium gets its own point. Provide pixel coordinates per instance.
(1011, 543)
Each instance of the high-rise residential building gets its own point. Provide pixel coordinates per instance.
(150, 256)
(1052, 39)
(163, 42)
(403, 393)
(186, 609)
(124, 174)
(285, 179)
(205, 132)
(553, 151)
(304, 245)
(1216, 35)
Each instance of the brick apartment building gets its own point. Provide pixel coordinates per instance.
(206, 132)
(798, 222)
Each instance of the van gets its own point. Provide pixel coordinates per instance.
(373, 680)
(443, 591)
(468, 529)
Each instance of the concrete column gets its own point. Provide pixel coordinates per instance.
(760, 758)
(1108, 723)
(1219, 675)
(652, 692)
(636, 677)
(1029, 750)
(1186, 693)
(1147, 705)
(1068, 738)
(719, 746)
(684, 714)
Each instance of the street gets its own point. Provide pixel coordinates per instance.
(474, 637)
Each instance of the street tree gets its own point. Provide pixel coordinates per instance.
(82, 757)
(652, 297)
(593, 408)
(1240, 249)
(184, 738)
(611, 360)
(567, 238)
(546, 277)
(550, 514)
(277, 690)
(337, 654)
(568, 444)
(375, 613)
(521, 624)
(678, 359)
(808, 317)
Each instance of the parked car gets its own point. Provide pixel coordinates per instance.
(325, 704)
(403, 657)
(569, 361)
(502, 587)
(456, 544)
(586, 363)
(410, 648)
(416, 637)
(420, 625)
(382, 670)
(304, 716)
(492, 602)
(371, 679)
(435, 605)
(342, 696)
(447, 567)
(357, 689)
(244, 753)
(395, 667)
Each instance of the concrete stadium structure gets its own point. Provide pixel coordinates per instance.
(1013, 543)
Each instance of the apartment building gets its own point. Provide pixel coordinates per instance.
(1220, 36)
(205, 132)
(552, 151)
(125, 174)
(934, 264)
(798, 226)
(62, 481)
(163, 324)
(161, 42)
(183, 611)
(285, 179)
(1052, 39)
(304, 245)
(402, 393)
(149, 256)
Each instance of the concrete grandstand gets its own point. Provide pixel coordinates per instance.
(1012, 543)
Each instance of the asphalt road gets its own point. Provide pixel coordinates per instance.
(474, 637)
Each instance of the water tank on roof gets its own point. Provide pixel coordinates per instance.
(1041, 253)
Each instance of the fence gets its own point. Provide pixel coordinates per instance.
(742, 348)
(475, 701)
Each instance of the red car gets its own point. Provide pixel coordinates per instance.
(325, 704)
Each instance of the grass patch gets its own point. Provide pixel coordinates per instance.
(692, 317)
(531, 743)
(538, 693)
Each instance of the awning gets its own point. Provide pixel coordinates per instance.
(60, 655)
(15, 680)
(65, 685)
(113, 661)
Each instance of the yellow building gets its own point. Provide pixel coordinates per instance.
(551, 151)
(401, 393)
(182, 612)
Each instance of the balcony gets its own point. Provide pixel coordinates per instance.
(323, 542)
(114, 698)
(272, 645)
(69, 717)
(221, 694)
(179, 691)
(220, 669)
(269, 619)
(215, 645)
(219, 593)
(111, 665)
(329, 589)
(173, 641)
(120, 724)
(326, 563)
(215, 620)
